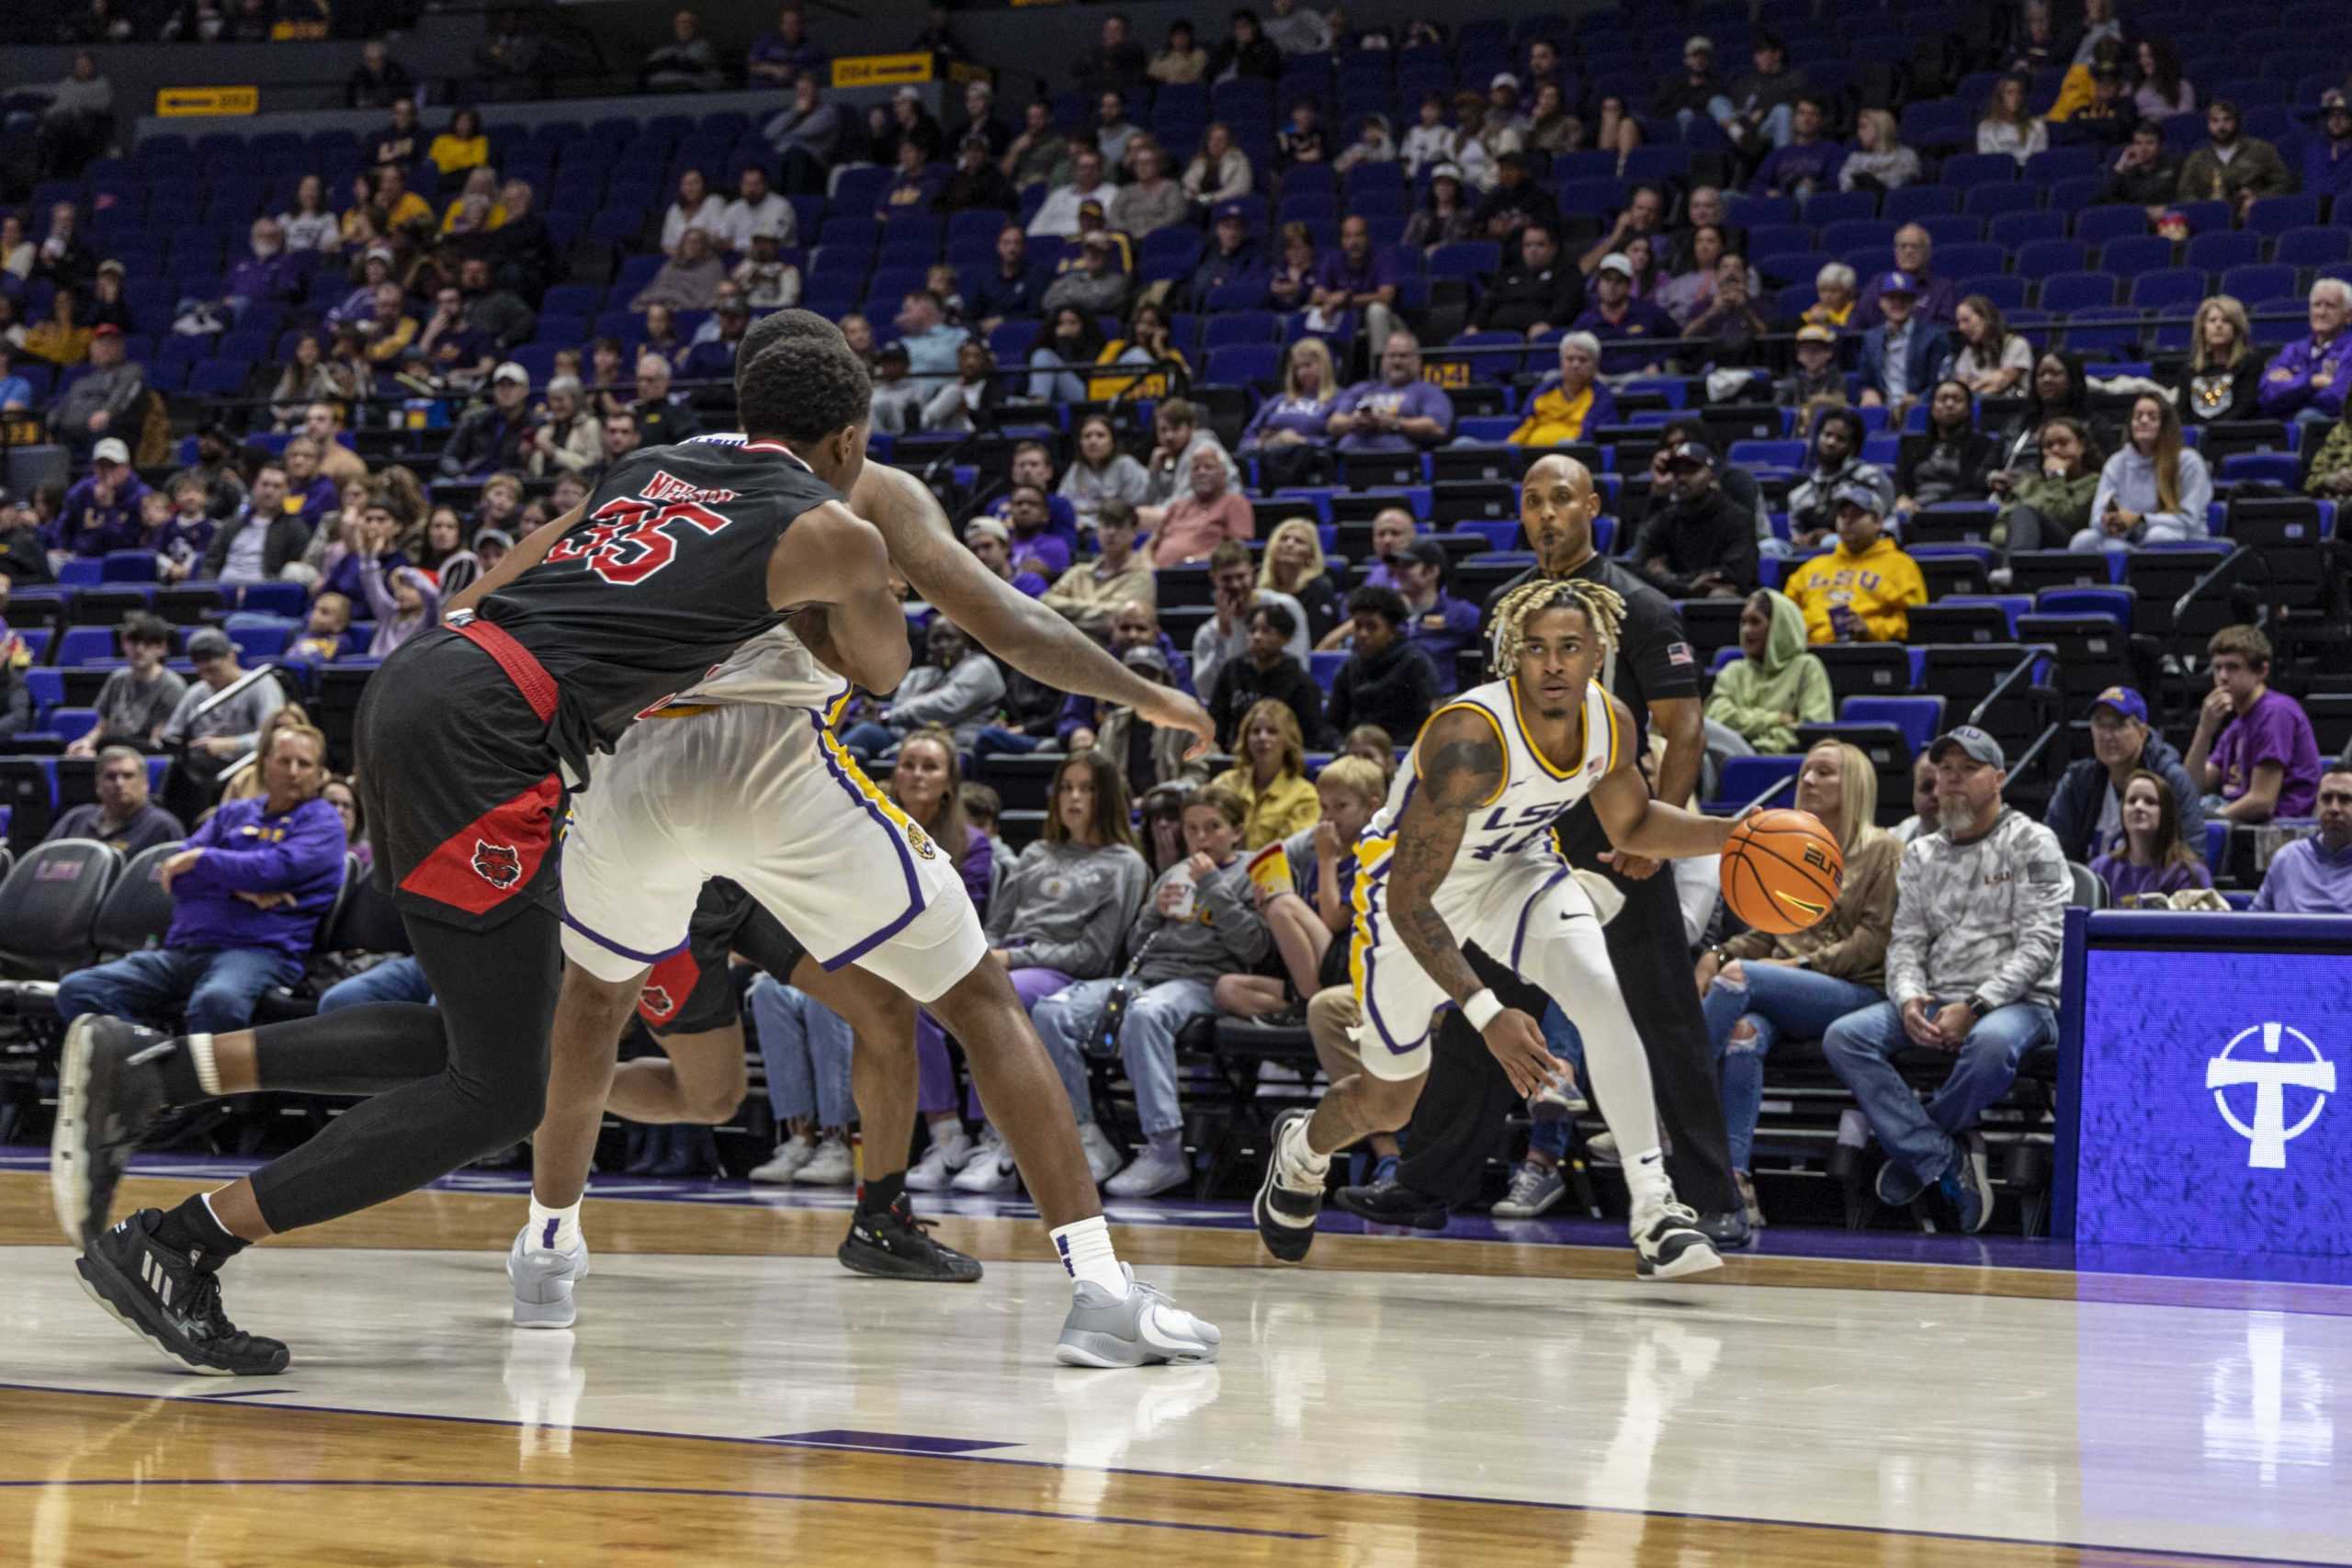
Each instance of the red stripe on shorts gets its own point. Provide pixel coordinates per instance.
(667, 988)
(494, 856)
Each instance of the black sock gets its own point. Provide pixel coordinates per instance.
(876, 1193)
(191, 1229)
(177, 1066)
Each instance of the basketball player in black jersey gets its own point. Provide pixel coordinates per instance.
(468, 738)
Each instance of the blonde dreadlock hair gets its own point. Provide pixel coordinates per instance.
(1603, 606)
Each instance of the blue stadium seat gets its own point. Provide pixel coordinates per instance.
(2204, 217)
(2098, 225)
(2046, 258)
(1243, 365)
(1964, 261)
(2252, 284)
(2169, 288)
(2273, 468)
(1991, 200)
(2006, 293)
(81, 572)
(1745, 778)
(128, 566)
(2131, 257)
(2274, 216)
(219, 378)
(1855, 234)
(2313, 246)
(1971, 169)
(2019, 229)
(1824, 207)
(85, 644)
(1919, 718)
(2071, 291)
(1910, 204)
(2106, 329)
(1240, 327)
(1466, 258)
(2221, 251)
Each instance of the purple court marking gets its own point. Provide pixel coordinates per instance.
(887, 1442)
(245, 1394)
(349, 1483)
(2152, 1554)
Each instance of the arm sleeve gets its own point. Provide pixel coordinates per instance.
(1906, 943)
(379, 592)
(2042, 889)
(311, 847)
(2264, 903)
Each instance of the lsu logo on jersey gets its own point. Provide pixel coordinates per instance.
(498, 864)
(922, 841)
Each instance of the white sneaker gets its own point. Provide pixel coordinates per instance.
(829, 1167)
(990, 1168)
(1602, 1148)
(1159, 1168)
(1102, 1155)
(1669, 1243)
(940, 1163)
(543, 1281)
(790, 1156)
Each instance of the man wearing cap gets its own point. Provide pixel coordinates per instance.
(977, 185)
(1058, 218)
(991, 541)
(224, 488)
(259, 542)
(99, 401)
(1615, 317)
(1695, 90)
(1399, 412)
(2327, 156)
(2087, 810)
(221, 734)
(1537, 292)
(2314, 875)
(1697, 542)
(499, 316)
(496, 436)
(1862, 591)
(1095, 286)
(1438, 624)
(1971, 971)
(101, 512)
(1901, 354)
(1515, 203)
(1937, 299)
(1232, 256)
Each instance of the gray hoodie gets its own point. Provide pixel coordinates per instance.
(1065, 906)
(1985, 918)
(1224, 935)
(964, 698)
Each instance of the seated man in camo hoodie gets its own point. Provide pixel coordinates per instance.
(1971, 971)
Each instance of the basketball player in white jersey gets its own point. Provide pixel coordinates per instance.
(747, 782)
(1464, 852)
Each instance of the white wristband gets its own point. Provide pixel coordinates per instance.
(1482, 1010)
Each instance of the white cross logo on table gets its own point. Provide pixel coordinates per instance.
(2271, 1077)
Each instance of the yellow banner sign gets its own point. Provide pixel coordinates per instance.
(173, 102)
(881, 70)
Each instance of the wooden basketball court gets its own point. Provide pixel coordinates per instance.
(732, 1396)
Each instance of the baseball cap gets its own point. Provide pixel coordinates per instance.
(510, 371)
(1090, 209)
(1615, 262)
(111, 266)
(2123, 700)
(379, 253)
(1697, 452)
(892, 350)
(1143, 656)
(2333, 99)
(498, 536)
(1698, 43)
(210, 643)
(1974, 742)
(1814, 332)
(908, 96)
(1503, 79)
(1899, 283)
(1233, 209)
(1447, 171)
(1421, 552)
(987, 527)
(1859, 493)
(110, 450)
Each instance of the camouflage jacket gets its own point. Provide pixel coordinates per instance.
(1985, 918)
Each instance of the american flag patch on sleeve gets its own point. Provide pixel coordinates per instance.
(1679, 653)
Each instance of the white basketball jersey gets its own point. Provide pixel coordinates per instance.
(1519, 818)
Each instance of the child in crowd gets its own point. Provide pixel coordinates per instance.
(322, 639)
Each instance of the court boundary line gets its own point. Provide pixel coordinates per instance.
(2154, 1554)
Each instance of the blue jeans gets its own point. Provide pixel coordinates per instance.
(806, 1048)
(1049, 383)
(1860, 1047)
(2090, 541)
(213, 988)
(1552, 1137)
(992, 742)
(1777, 1000)
(398, 980)
(1146, 1042)
(1777, 127)
(869, 739)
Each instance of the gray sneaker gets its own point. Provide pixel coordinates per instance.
(543, 1281)
(1139, 1330)
(1535, 1188)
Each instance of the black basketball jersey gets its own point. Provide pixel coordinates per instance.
(665, 574)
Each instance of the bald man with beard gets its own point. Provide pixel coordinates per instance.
(1654, 673)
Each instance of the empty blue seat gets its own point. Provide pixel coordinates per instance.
(2131, 257)
(86, 645)
(1466, 258)
(1971, 169)
(1839, 206)
(2252, 285)
(2098, 225)
(1992, 200)
(1243, 365)
(2171, 287)
(2006, 293)
(2047, 258)
(1743, 779)
(2071, 291)
(2276, 215)
(2107, 329)
(1919, 718)
(1909, 204)
(1240, 327)
(2314, 246)
(2221, 251)
(1964, 261)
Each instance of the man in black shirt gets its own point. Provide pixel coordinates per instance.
(1538, 292)
(1268, 671)
(1698, 541)
(1463, 1105)
(1515, 202)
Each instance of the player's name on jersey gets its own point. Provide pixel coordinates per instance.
(669, 487)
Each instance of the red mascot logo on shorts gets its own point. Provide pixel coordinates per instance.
(497, 864)
(655, 1003)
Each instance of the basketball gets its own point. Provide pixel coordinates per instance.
(1781, 871)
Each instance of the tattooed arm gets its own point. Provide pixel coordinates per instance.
(1461, 760)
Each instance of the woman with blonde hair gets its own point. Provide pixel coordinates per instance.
(1755, 987)
(1289, 434)
(1293, 564)
(2153, 490)
(2223, 377)
(1269, 776)
(1879, 161)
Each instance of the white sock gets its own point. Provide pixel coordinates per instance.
(554, 1230)
(1086, 1253)
(1646, 1180)
(208, 1201)
(1299, 1160)
(948, 1133)
(200, 1055)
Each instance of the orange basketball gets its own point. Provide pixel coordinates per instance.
(1781, 871)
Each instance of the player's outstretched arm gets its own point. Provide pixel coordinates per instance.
(1020, 630)
(1639, 824)
(834, 558)
(527, 552)
(1461, 761)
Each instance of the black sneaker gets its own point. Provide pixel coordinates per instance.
(1394, 1204)
(1285, 1215)
(172, 1301)
(109, 1092)
(1728, 1229)
(894, 1245)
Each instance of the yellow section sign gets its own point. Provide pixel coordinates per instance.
(881, 70)
(172, 102)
